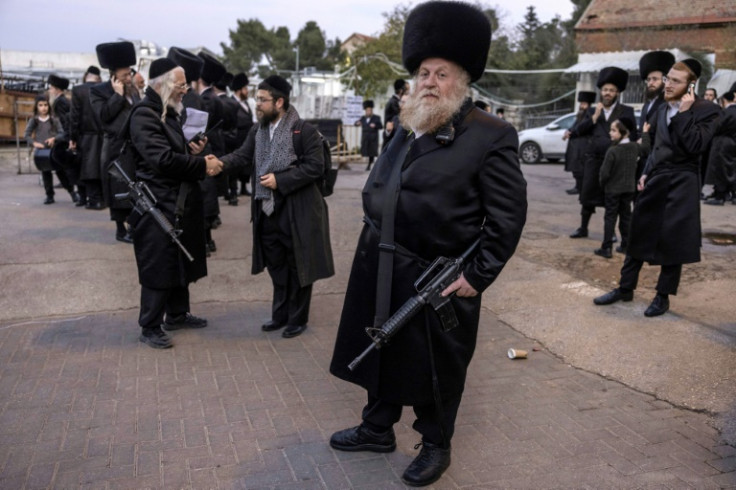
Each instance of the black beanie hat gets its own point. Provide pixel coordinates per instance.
(694, 65)
(614, 75)
(212, 69)
(160, 66)
(655, 61)
(191, 63)
(456, 31)
(58, 82)
(585, 96)
(239, 81)
(275, 82)
(116, 55)
(628, 123)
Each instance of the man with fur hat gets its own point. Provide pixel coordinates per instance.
(171, 169)
(393, 108)
(665, 225)
(596, 125)
(449, 177)
(192, 65)
(239, 87)
(577, 145)
(652, 67)
(291, 232)
(112, 102)
(369, 124)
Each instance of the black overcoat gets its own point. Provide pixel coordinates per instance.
(297, 191)
(212, 187)
(369, 135)
(450, 195)
(85, 130)
(164, 165)
(577, 147)
(721, 171)
(591, 193)
(112, 111)
(665, 225)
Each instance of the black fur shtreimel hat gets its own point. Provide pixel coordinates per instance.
(116, 55)
(660, 61)
(240, 80)
(455, 31)
(367, 104)
(58, 82)
(212, 69)
(613, 75)
(585, 96)
(191, 63)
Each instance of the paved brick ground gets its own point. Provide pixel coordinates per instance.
(84, 405)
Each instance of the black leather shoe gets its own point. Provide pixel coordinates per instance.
(580, 233)
(75, 197)
(187, 320)
(49, 200)
(361, 438)
(233, 201)
(81, 203)
(271, 325)
(125, 238)
(659, 306)
(620, 249)
(156, 338)
(428, 467)
(95, 205)
(573, 191)
(614, 296)
(603, 252)
(714, 201)
(293, 331)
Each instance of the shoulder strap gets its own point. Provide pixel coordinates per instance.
(296, 132)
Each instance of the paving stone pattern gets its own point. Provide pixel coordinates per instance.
(84, 405)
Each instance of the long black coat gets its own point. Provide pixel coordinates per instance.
(61, 109)
(369, 135)
(112, 111)
(577, 147)
(297, 192)
(722, 162)
(591, 193)
(447, 194)
(85, 130)
(212, 187)
(165, 166)
(665, 225)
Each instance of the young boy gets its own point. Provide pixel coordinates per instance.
(618, 180)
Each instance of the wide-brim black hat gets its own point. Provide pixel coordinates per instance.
(660, 61)
(92, 69)
(116, 55)
(367, 104)
(58, 82)
(212, 69)
(224, 82)
(399, 84)
(160, 66)
(694, 65)
(240, 80)
(277, 83)
(454, 31)
(191, 63)
(585, 96)
(614, 75)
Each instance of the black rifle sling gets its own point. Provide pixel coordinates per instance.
(386, 247)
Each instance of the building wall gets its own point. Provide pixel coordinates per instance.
(718, 39)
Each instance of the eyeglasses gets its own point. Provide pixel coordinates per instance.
(181, 86)
(261, 100)
(673, 81)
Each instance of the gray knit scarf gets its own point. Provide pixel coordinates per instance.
(274, 155)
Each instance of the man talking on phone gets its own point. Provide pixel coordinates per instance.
(665, 226)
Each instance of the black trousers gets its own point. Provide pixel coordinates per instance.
(379, 415)
(617, 206)
(48, 180)
(667, 283)
(156, 302)
(290, 300)
(94, 190)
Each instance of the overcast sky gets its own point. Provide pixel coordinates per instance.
(79, 25)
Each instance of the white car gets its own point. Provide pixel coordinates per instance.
(546, 141)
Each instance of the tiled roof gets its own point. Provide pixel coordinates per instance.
(613, 14)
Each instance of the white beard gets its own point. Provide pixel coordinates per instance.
(426, 115)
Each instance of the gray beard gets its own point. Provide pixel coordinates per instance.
(428, 118)
(177, 106)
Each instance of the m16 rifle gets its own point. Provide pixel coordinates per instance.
(440, 274)
(145, 202)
